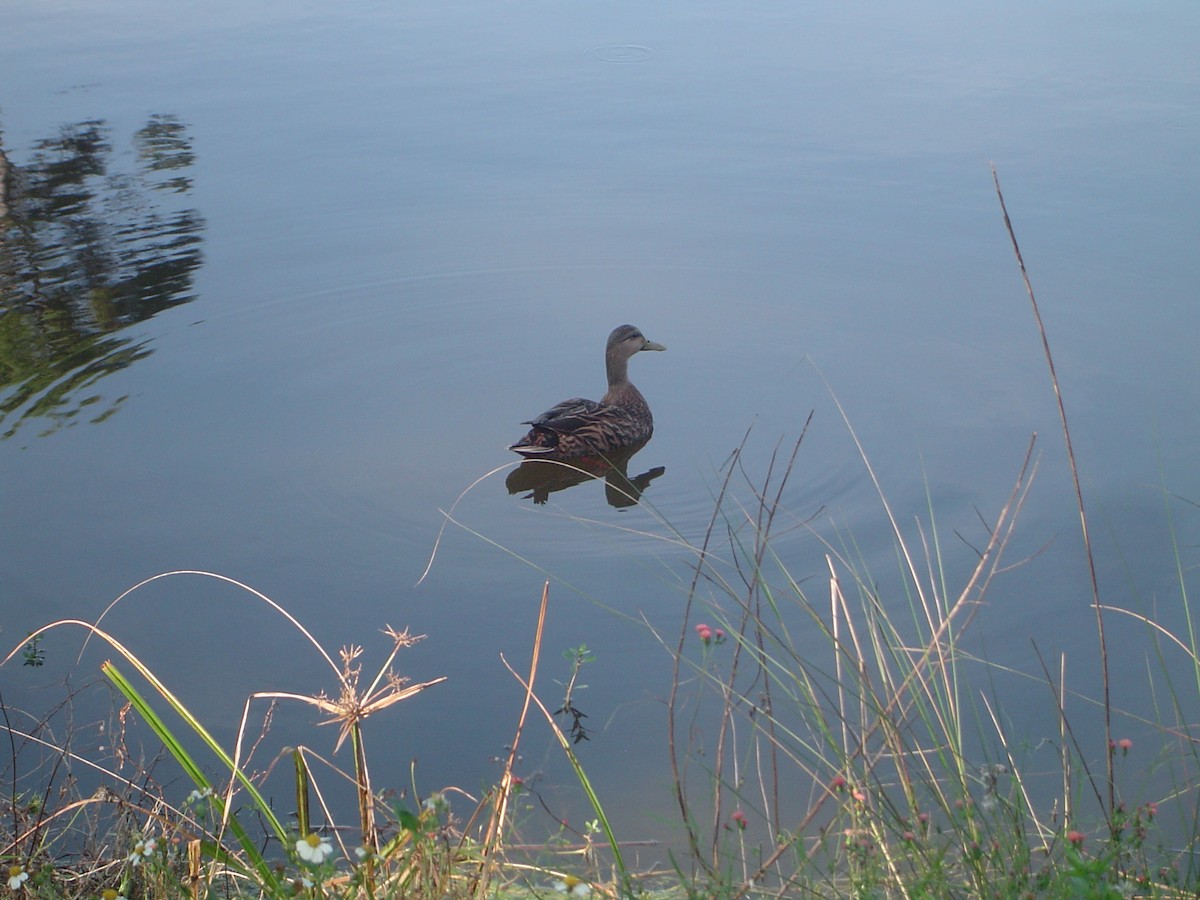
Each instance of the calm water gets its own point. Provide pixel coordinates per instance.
(281, 283)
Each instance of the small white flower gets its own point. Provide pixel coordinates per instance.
(306, 882)
(142, 850)
(574, 886)
(362, 853)
(434, 802)
(197, 795)
(17, 876)
(313, 848)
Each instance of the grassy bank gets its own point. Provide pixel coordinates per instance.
(856, 770)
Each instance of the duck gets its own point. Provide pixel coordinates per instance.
(579, 427)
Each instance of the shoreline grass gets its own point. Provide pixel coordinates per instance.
(825, 741)
(879, 733)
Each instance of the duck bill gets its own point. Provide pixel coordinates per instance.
(651, 345)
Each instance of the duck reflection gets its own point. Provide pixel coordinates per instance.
(539, 478)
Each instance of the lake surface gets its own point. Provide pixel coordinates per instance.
(282, 280)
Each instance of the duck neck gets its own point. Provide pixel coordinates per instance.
(618, 370)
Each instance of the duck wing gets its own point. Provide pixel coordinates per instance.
(567, 416)
(558, 432)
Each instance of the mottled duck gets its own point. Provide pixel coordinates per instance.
(579, 427)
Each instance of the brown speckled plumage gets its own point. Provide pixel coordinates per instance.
(579, 427)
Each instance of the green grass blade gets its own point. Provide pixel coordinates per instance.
(185, 760)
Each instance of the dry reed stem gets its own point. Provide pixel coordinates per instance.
(761, 525)
(1043, 831)
(1067, 734)
(1083, 521)
(492, 843)
(677, 772)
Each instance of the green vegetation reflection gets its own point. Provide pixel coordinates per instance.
(86, 251)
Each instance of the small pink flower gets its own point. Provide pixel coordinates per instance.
(838, 783)
(909, 836)
(1075, 837)
(739, 819)
(704, 632)
(1126, 745)
(1152, 809)
(719, 635)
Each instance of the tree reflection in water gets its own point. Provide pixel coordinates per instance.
(86, 252)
